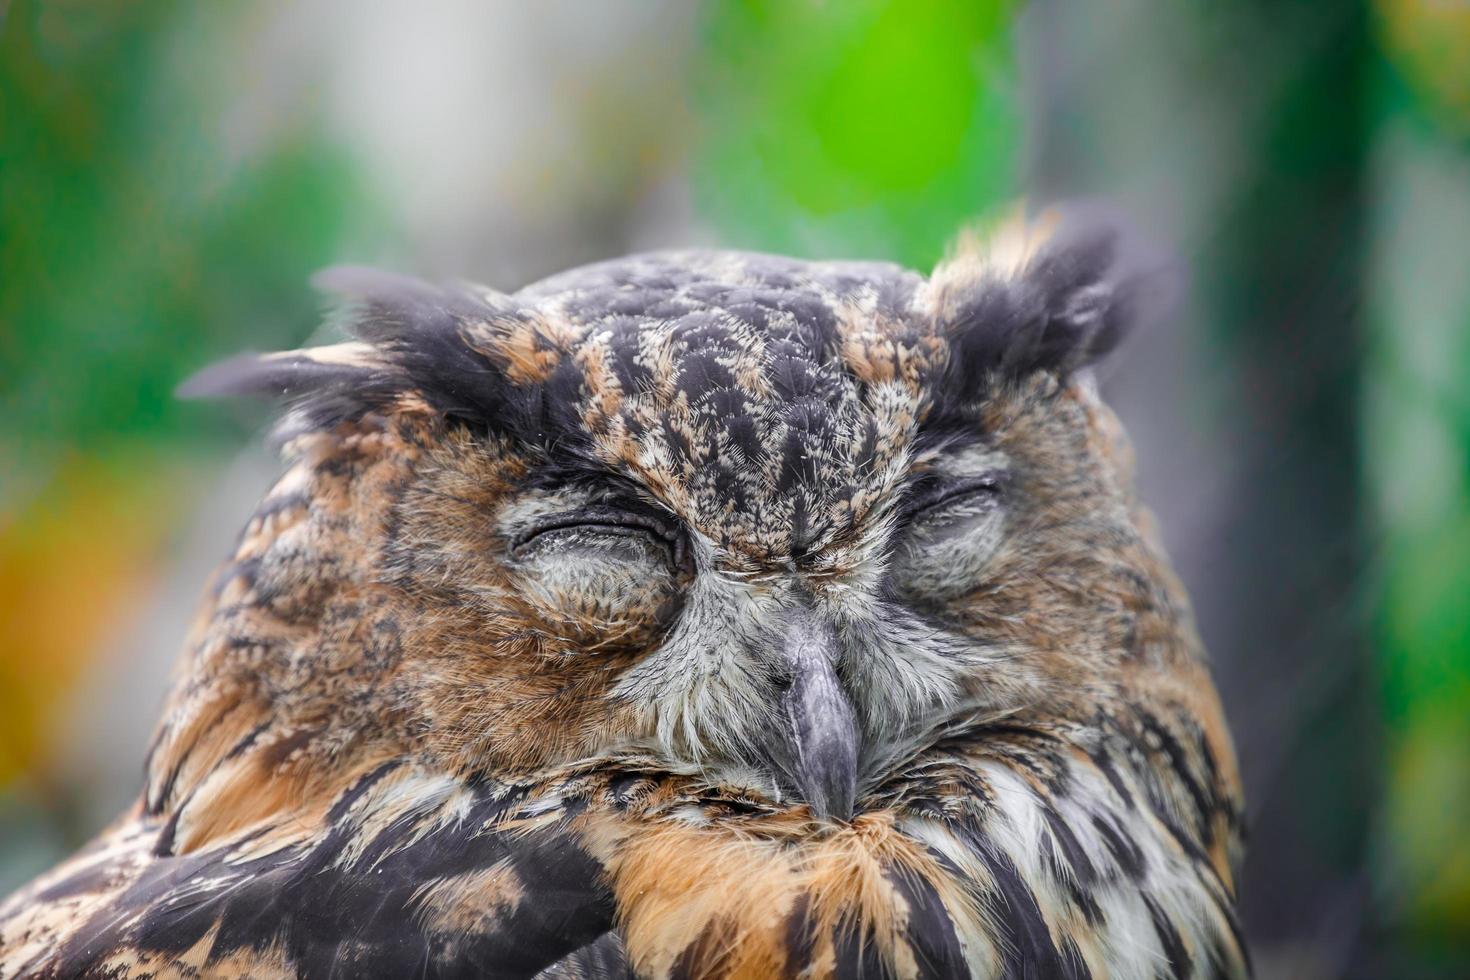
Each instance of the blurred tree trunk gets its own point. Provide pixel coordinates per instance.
(1240, 133)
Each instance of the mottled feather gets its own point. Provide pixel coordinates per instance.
(695, 614)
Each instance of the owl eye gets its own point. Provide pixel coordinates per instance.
(605, 525)
(959, 498)
(602, 572)
(951, 528)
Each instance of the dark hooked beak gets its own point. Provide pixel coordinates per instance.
(819, 729)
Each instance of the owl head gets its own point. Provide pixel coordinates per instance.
(777, 525)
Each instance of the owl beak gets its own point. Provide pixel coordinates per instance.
(819, 727)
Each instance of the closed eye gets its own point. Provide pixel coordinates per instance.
(933, 498)
(605, 521)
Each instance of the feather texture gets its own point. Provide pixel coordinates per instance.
(689, 615)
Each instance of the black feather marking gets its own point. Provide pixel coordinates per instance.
(603, 959)
(1126, 853)
(704, 952)
(1079, 883)
(92, 878)
(1069, 846)
(1074, 964)
(930, 931)
(155, 804)
(356, 919)
(857, 953)
(1105, 765)
(1179, 762)
(1069, 306)
(1027, 950)
(1170, 941)
(1237, 936)
(800, 938)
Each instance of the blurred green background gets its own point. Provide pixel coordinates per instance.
(170, 173)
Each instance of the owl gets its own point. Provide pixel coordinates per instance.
(693, 614)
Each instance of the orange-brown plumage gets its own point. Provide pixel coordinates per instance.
(697, 614)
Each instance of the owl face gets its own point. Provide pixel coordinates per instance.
(694, 614)
(779, 525)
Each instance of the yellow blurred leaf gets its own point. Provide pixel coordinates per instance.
(76, 558)
(1429, 40)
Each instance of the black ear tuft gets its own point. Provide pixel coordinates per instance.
(412, 340)
(1053, 294)
(320, 385)
(285, 374)
(423, 330)
(384, 307)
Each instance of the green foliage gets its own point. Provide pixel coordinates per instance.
(135, 248)
(1417, 454)
(873, 128)
(147, 227)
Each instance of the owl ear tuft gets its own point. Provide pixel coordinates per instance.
(285, 374)
(1053, 293)
(413, 340)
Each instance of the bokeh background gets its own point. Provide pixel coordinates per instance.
(171, 172)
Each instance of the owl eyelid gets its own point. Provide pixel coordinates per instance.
(987, 484)
(606, 519)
